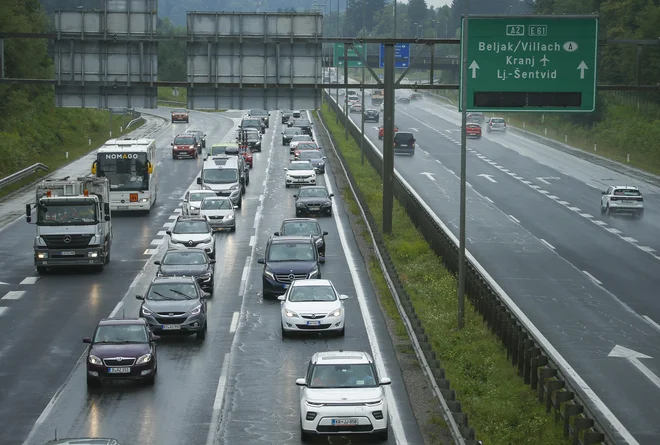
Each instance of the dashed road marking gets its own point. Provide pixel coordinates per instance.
(553, 197)
(13, 295)
(253, 238)
(613, 230)
(161, 233)
(575, 209)
(586, 215)
(3, 310)
(234, 322)
(564, 203)
(157, 241)
(647, 249)
(173, 216)
(513, 218)
(630, 239)
(547, 244)
(30, 280)
(150, 251)
(545, 192)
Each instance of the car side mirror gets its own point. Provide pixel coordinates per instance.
(157, 263)
(261, 261)
(106, 217)
(211, 261)
(324, 158)
(331, 195)
(286, 169)
(87, 340)
(603, 193)
(172, 144)
(321, 259)
(281, 297)
(235, 207)
(276, 233)
(385, 381)
(139, 297)
(207, 295)
(155, 337)
(295, 196)
(343, 297)
(168, 232)
(325, 233)
(301, 382)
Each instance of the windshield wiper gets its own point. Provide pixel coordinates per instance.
(181, 293)
(164, 297)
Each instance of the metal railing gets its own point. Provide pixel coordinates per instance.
(26, 172)
(559, 389)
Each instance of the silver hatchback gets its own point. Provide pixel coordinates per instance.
(496, 125)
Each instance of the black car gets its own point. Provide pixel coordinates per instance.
(313, 156)
(304, 124)
(252, 140)
(289, 258)
(257, 123)
(261, 114)
(121, 349)
(286, 115)
(403, 99)
(189, 263)
(289, 133)
(313, 200)
(371, 115)
(304, 227)
(201, 136)
(175, 305)
(404, 142)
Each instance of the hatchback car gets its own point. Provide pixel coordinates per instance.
(193, 199)
(622, 199)
(297, 139)
(180, 115)
(404, 142)
(175, 305)
(256, 123)
(289, 133)
(189, 263)
(313, 200)
(304, 227)
(312, 306)
(341, 394)
(220, 212)
(299, 173)
(313, 156)
(185, 145)
(191, 231)
(473, 130)
(261, 114)
(476, 117)
(355, 107)
(381, 132)
(304, 124)
(286, 115)
(371, 115)
(289, 258)
(496, 125)
(403, 99)
(247, 156)
(121, 349)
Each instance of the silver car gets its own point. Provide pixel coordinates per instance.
(193, 200)
(496, 125)
(192, 231)
(220, 212)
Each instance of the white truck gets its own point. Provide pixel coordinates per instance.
(73, 223)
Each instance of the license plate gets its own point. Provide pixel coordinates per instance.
(171, 327)
(314, 209)
(68, 253)
(119, 370)
(122, 207)
(403, 145)
(313, 323)
(345, 422)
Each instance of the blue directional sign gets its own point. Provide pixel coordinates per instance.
(401, 55)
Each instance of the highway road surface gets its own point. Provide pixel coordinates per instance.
(236, 387)
(589, 282)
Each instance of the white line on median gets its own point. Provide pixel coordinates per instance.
(592, 278)
(651, 322)
(547, 244)
(513, 218)
(234, 322)
(217, 402)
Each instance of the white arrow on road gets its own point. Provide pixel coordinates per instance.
(545, 179)
(489, 177)
(474, 67)
(414, 129)
(633, 357)
(582, 66)
(428, 175)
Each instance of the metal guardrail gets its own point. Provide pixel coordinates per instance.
(172, 102)
(15, 177)
(558, 386)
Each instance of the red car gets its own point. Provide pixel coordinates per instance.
(305, 146)
(247, 155)
(180, 116)
(473, 130)
(381, 131)
(185, 145)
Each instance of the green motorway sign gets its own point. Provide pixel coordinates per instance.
(531, 63)
(353, 58)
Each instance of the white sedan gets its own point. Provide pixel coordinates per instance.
(312, 306)
(355, 107)
(299, 173)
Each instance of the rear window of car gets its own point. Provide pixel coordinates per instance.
(627, 192)
(403, 137)
(497, 120)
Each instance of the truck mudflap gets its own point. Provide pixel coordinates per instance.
(92, 256)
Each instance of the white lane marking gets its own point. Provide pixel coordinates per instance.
(536, 187)
(547, 244)
(217, 402)
(527, 182)
(253, 238)
(630, 239)
(234, 322)
(513, 218)
(3, 310)
(451, 171)
(489, 200)
(599, 222)
(168, 225)
(468, 184)
(519, 178)
(150, 251)
(543, 181)
(592, 278)
(173, 216)
(651, 322)
(30, 280)
(157, 241)
(564, 203)
(261, 198)
(587, 215)
(13, 295)
(647, 249)
(115, 311)
(545, 192)
(505, 170)
(178, 210)
(592, 186)
(613, 230)
(161, 233)
(575, 209)
(553, 197)
(257, 217)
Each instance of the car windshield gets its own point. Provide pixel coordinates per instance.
(627, 192)
(180, 111)
(291, 252)
(301, 228)
(220, 175)
(312, 293)
(251, 123)
(53, 213)
(308, 155)
(198, 196)
(218, 150)
(172, 291)
(313, 193)
(216, 204)
(185, 227)
(184, 140)
(497, 120)
(343, 376)
(121, 333)
(183, 258)
(301, 166)
(308, 146)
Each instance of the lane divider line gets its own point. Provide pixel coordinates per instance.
(547, 243)
(30, 280)
(651, 322)
(592, 278)
(514, 219)
(13, 295)
(234, 322)
(3, 310)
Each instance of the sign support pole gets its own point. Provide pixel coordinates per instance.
(388, 139)
(346, 91)
(461, 247)
(362, 123)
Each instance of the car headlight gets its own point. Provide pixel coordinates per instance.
(313, 273)
(319, 241)
(94, 360)
(326, 204)
(313, 404)
(205, 275)
(379, 402)
(146, 358)
(289, 313)
(207, 240)
(300, 204)
(269, 274)
(95, 241)
(230, 216)
(321, 163)
(234, 187)
(336, 313)
(193, 208)
(196, 310)
(146, 311)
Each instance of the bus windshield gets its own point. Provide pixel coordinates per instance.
(125, 171)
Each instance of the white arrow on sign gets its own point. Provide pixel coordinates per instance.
(545, 179)
(474, 67)
(582, 66)
(633, 357)
(428, 175)
(489, 177)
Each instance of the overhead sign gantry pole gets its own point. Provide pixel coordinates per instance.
(388, 139)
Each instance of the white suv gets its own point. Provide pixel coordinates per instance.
(192, 231)
(342, 394)
(622, 199)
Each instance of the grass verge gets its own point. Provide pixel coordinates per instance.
(500, 406)
(166, 95)
(76, 145)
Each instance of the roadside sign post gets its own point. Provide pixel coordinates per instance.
(531, 63)
(401, 55)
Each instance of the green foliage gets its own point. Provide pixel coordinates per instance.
(172, 56)
(500, 406)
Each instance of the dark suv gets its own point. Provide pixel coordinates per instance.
(404, 143)
(304, 227)
(261, 114)
(253, 122)
(304, 124)
(289, 258)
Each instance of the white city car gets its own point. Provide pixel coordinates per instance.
(220, 212)
(300, 173)
(192, 231)
(355, 107)
(342, 394)
(622, 199)
(312, 306)
(193, 200)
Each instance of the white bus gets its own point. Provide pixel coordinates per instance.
(130, 166)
